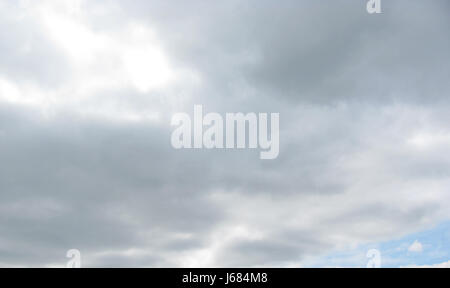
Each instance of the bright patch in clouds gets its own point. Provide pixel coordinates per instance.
(427, 140)
(129, 59)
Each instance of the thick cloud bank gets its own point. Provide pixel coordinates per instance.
(87, 90)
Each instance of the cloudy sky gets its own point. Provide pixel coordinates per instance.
(88, 89)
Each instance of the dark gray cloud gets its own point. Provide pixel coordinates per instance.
(308, 51)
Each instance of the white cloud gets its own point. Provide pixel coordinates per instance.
(440, 265)
(128, 59)
(416, 247)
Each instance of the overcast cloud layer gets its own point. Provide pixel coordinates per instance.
(88, 88)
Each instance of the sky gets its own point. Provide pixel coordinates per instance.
(88, 90)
